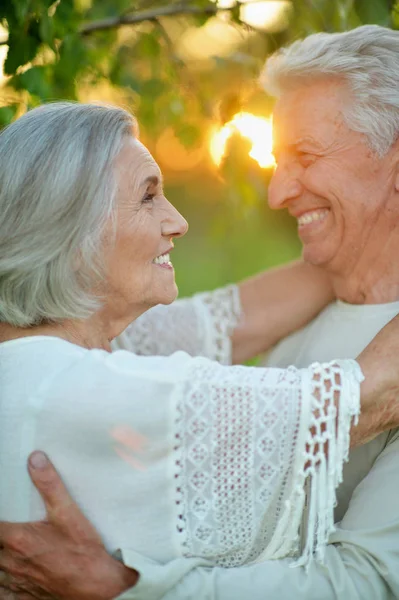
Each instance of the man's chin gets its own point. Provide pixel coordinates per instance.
(315, 255)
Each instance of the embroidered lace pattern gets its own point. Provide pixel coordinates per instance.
(200, 326)
(246, 441)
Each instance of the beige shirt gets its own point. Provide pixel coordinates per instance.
(362, 558)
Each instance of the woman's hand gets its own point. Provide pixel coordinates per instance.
(61, 558)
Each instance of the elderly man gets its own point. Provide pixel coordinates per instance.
(337, 146)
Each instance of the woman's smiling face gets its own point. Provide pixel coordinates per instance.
(139, 272)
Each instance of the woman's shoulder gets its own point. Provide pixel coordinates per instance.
(54, 375)
(125, 364)
(54, 354)
(28, 354)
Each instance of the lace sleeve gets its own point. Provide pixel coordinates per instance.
(200, 326)
(246, 441)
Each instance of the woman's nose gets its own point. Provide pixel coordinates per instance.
(174, 225)
(284, 186)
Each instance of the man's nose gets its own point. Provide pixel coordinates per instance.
(284, 186)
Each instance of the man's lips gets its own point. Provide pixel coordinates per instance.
(314, 215)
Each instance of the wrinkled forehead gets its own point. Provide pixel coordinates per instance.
(310, 110)
(136, 164)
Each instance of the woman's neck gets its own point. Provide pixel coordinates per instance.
(95, 332)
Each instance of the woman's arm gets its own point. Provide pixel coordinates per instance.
(276, 303)
(235, 323)
(41, 557)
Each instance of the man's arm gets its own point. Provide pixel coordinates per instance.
(361, 563)
(62, 557)
(361, 560)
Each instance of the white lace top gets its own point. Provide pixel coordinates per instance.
(173, 455)
(200, 326)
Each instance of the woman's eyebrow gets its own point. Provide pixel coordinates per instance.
(153, 179)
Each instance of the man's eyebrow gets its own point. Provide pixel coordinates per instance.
(295, 146)
(308, 140)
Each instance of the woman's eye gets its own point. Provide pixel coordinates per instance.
(148, 198)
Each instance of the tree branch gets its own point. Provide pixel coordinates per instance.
(148, 15)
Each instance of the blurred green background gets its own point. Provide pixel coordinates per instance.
(184, 68)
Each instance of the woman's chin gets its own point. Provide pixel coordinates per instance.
(168, 296)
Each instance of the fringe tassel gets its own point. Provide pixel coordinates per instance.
(326, 476)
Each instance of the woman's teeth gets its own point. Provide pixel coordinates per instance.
(311, 216)
(162, 260)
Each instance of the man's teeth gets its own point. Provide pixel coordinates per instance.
(310, 217)
(162, 260)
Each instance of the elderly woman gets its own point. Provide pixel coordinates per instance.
(184, 455)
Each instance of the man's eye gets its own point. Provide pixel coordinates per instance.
(306, 159)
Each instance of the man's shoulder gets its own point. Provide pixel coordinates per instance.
(339, 331)
(293, 349)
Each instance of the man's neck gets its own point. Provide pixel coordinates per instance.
(368, 273)
(370, 287)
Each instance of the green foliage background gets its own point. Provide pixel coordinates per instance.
(126, 52)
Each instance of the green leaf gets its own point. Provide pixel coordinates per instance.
(147, 45)
(152, 88)
(21, 8)
(236, 13)
(123, 77)
(46, 30)
(7, 113)
(22, 48)
(35, 81)
(8, 11)
(188, 134)
(72, 61)
(65, 20)
(374, 11)
(395, 15)
(147, 117)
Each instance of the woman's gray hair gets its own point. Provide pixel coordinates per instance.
(366, 58)
(57, 189)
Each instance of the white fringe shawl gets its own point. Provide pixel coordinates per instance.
(321, 470)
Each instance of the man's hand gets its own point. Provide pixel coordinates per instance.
(61, 558)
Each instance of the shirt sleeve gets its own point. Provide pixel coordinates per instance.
(214, 456)
(201, 326)
(361, 560)
(247, 439)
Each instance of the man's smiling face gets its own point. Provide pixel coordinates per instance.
(328, 178)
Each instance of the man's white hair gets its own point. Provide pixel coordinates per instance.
(366, 58)
(56, 191)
